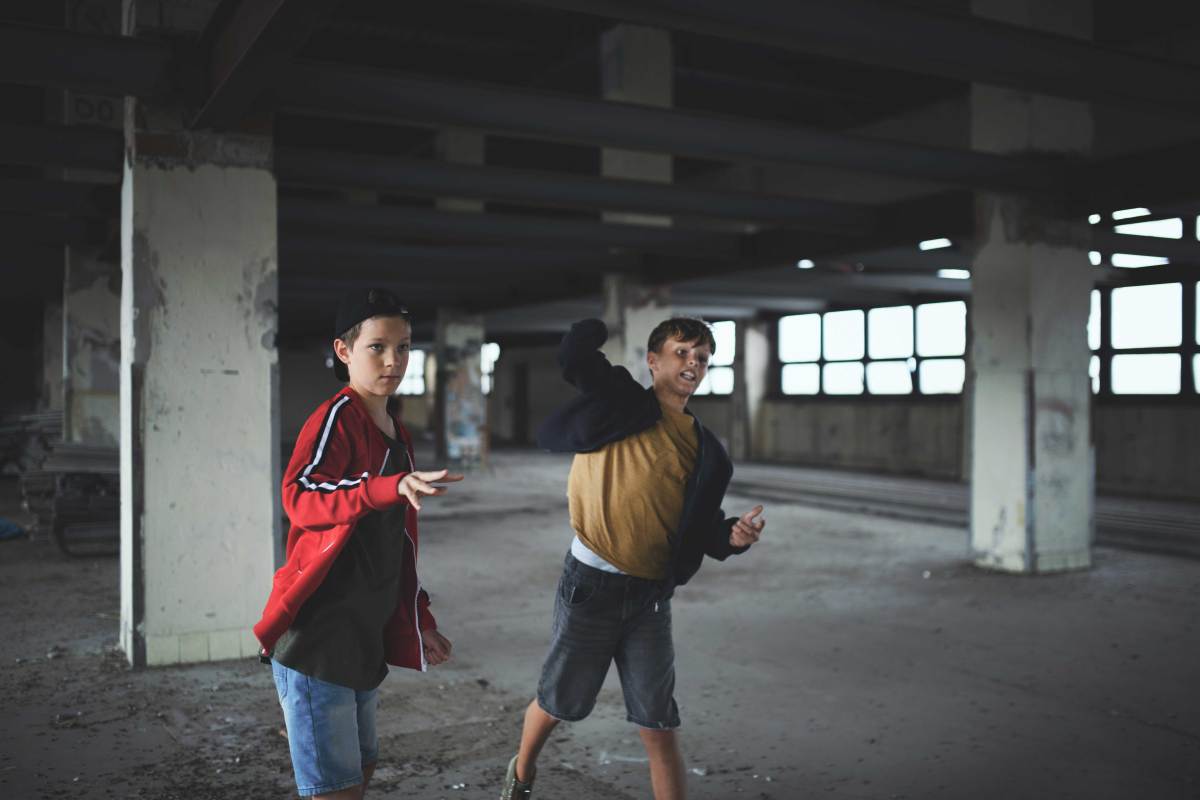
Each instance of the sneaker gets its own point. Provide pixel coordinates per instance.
(513, 788)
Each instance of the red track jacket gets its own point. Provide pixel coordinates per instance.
(333, 480)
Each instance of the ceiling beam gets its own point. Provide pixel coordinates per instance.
(51, 230)
(62, 146)
(62, 59)
(76, 199)
(396, 222)
(899, 36)
(412, 99)
(1162, 176)
(325, 255)
(247, 46)
(425, 178)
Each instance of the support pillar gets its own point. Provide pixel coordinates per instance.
(1032, 468)
(752, 382)
(91, 349)
(462, 407)
(631, 312)
(199, 390)
(459, 146)
(637, 66)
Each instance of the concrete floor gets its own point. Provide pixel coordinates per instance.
(845, 656)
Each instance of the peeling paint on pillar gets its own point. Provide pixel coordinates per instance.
(1032, 463)
(200, 433)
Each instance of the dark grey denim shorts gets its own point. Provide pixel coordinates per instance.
(601, 617)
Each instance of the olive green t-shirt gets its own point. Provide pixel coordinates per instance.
(338, 634)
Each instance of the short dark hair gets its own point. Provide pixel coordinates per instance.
(685, 329)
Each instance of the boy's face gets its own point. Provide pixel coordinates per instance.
(679, 366)
(379, 357)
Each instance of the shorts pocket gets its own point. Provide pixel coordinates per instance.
(576, 591)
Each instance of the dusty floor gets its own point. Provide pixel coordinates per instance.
(846, 656)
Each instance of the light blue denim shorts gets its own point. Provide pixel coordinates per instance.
(331, 730)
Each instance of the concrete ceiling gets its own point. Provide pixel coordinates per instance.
(820, 129)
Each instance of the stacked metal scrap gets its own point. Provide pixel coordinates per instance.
(26, 440)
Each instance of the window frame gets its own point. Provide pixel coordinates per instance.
(1187, 349)
(776, 385)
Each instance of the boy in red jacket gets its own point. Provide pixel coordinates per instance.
(347, 602)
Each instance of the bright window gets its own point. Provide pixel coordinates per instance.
(942, 329)
(1147, 316)
(844, 378)
(489, 354)
(889, 377)
(801, 379)
(719, 379)
(890, 332)
(1093, 324)
(725, 334)
(800, 338)
(878, 351)
(942, 375)
(414, 377)
(1162, 228)
(843, 334)
(1146, 373)
(1148, 330)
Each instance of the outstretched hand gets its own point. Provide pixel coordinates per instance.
(437, 648)
(746, 530)
(415, 484)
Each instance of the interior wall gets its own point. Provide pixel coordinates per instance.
(716, 414)
(1142, 449)
(1147, 449)
(912, 436)
(544, 391)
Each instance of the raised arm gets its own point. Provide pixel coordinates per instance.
(583, 365)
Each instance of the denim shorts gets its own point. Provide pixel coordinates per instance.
(601, 617)
(331, 730)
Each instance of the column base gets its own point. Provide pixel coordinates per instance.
(1041, 564)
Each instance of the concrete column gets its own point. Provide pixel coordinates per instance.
(631, 311)
(50, 394)
(637, 66)
(199, 390)
(91, 349)
(752, 382)
(459, 146)
(462, 408)
(1032, 473)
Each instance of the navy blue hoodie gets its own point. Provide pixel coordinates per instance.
(612, 405)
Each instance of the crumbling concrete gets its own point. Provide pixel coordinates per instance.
(200, 512)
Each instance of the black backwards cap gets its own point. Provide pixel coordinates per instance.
(362, 304)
